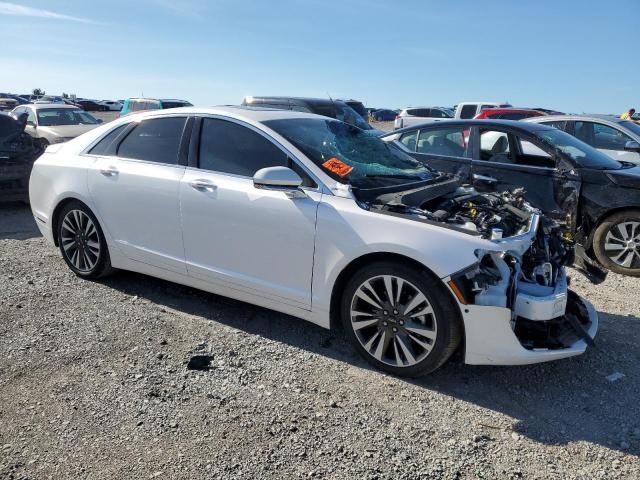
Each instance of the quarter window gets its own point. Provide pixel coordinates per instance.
(104, 146)
(154, 140)
(451, 142)
(410, 140)
(231, 148)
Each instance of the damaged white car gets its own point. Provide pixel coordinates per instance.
(315, 218)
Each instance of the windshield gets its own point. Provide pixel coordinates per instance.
(631, 126)
(343, 112)
(51, 117)
(585, 155)
(349, 154)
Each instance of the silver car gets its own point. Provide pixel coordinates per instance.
(55, 123)
(619, 139)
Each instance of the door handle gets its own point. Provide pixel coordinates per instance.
(484, 178)
(203, 185)
(109, 171)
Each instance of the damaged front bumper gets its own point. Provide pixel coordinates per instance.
(492, 340)
(513, 319)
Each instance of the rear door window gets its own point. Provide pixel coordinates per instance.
(419, 112)
(154, 140)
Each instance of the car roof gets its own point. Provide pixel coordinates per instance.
(608, 118)
(239, 112)
(510, 109)
(487, 123)
(39, 106)
(251, 99)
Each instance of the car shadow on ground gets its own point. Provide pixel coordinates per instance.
(553, 403)
(16, 222)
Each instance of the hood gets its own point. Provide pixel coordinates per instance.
(66, 131)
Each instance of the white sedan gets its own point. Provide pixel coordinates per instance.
(318, 219)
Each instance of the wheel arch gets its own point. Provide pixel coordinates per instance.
(356, 264)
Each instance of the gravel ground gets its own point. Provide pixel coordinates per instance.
(94, 384)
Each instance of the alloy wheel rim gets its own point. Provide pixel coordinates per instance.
(393, 321)
(80, 241)
(622, 244)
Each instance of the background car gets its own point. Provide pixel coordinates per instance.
(92, 106)
(320, 106)
(620, 139)
(18, 151)
(19, 100)
(508, 113)
(595, 195)
(132, 105)
(55, 123)
(384, 115)
(358, 106)
(7, 104)
(416, 115)
(468, 110)
(111, 105)
(262, 212)
(50, 99)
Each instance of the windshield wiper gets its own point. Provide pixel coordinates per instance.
(393, 175)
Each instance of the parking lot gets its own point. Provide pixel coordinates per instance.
(94, 383)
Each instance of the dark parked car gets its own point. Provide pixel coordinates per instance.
(320, 106)
(91, 106)
(18, 151)
(384, 115)
(597, 197)
(358, 106)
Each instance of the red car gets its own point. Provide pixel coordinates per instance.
(508, 113)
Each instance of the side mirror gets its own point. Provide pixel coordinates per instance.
(31, 123)
(279, 179)
(632, 146)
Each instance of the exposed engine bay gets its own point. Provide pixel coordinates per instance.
(525, 273)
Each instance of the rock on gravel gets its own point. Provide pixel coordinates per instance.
(94, 384)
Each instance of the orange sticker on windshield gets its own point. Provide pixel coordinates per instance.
(338, 167)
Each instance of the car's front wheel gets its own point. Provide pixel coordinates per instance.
(82, 242)
(616, 243)
(400, 319)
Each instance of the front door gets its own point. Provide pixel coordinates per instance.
(504, 160)
(135, 188)
(256, 241)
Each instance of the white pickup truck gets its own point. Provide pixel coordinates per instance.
(415, 115)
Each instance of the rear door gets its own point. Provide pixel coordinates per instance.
(135, 182)
(445, 149)
(506, 160)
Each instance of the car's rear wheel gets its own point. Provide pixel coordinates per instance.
(400, 319)
(82, 242)
(616, 243)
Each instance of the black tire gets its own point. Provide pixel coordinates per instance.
(445, 317)
(98, 265)
(608, 233)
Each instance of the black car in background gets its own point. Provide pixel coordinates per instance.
(18, 151)
(320, 106)
(91, 106)
(358, 106)
(597, 197)
(384, 115)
